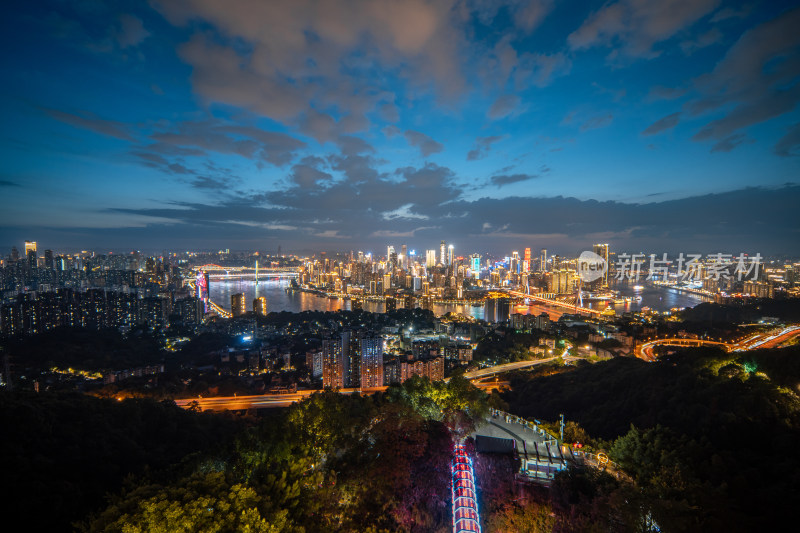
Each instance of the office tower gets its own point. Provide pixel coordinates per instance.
(350, 362)
(31, 257)
(514, 263)
(260, 306)
(602, 251)
(450, 255)
(387, 282)
(48, 259)
(443, 252)
(30, 246)
(389, 253)
(526, 265)
(370, 351)
(333, 370)
(403, 256)
(238, 306)
(543, 261)
(475, 264)
(14, 254)
(430, 259)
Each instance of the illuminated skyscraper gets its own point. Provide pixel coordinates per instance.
(450, 255)
(443, 253)
(543, 261)
(30, 246)
(333, 370)
(430, 259)
(238, 305)
(403, 256)
(260, 306)
(602, 251)
(526, 265)
(370, 348)
(475, 264)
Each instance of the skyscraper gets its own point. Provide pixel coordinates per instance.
(30, 246)
(403, 256)
(526, 264)
(430, 259)
(370, 348)
(442, 253)
(332, 362)
(238, 305)
(602, 251)
(543, 261)
(260, 306)
(450, 255)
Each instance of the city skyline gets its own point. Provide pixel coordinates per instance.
(191, 125)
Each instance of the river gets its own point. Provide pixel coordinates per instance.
(278, 299)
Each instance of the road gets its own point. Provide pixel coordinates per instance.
(262, 401)
(762, 340)
(508, 367)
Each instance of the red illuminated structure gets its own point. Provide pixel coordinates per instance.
(465, 503)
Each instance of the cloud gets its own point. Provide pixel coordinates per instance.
(230, 138)
(729, 143)
(89, 121)
(659, 92)
(275, 59)
(508, 179)
(663, 124)
(503, 106)
(426, 145)
(131, 31)
(789, 144)
(7, 183)
(635, 26)
(704, 40)
(482, 147)
(754, 82)
(600, 121)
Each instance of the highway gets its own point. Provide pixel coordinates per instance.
(762, 340)
(508, 367)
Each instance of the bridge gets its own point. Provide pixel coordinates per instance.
(219, 272)
(566, 307)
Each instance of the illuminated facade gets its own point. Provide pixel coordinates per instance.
(260, 306)
(238, 305)
(370, 349)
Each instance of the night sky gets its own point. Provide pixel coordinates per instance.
(668, 125)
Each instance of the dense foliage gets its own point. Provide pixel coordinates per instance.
(710, 437)
(63, 453)
(331, 463)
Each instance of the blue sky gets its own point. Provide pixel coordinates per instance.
(661, 126)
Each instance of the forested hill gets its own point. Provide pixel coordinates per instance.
(713, 430)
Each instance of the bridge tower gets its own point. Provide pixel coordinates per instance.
(256, 271)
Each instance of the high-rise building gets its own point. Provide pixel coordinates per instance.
(333, 371)
(526, 265)
(403, 256)
(450, 255)
(430, 259)
(442, 253)
(260, 306)
(543, 261)
(475, 264)
(48, 259)
(370, 350)
(238, 305)
(602, 251)
(30, 246)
